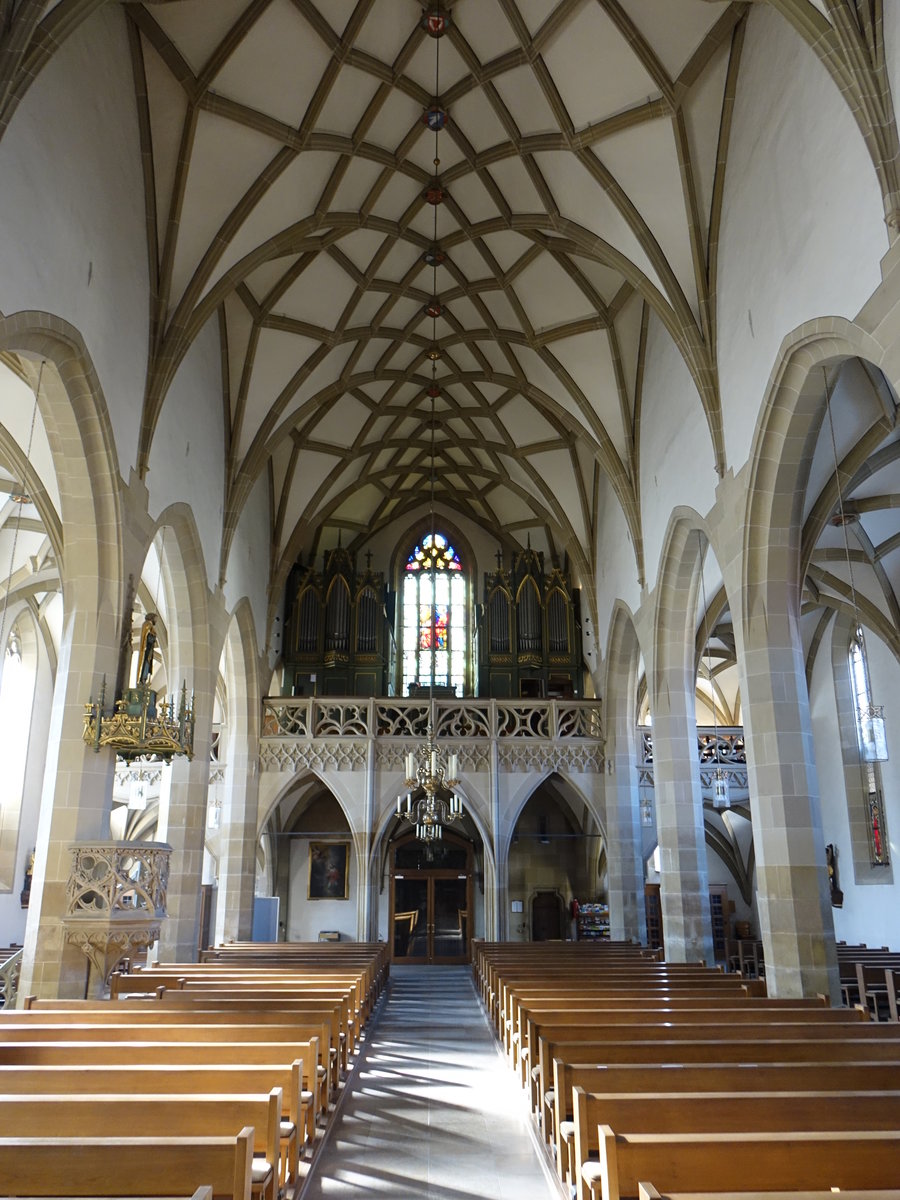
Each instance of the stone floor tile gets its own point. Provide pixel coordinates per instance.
(431, 1112)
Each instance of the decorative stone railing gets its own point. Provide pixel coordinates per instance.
(149, 769)
(115, 901)
(336, 733)
(721, 748)
(118, 877)
(9, 980)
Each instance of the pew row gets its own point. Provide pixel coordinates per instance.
(93, 1116)
(114, 1166)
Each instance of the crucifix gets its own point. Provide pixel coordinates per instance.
(499, 558)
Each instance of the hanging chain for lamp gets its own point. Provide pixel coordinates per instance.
(425, 769)
(21, 499)
(720, 775)
(871, 733)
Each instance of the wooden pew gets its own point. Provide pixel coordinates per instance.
(576, 1009)
(556, 1108)
(712, 1078)
(155, 1080)
(152, 1012)
(290, 1063)
(720, 1112)
(93, 1116)
(716, 1162)
(189, 1042)
(892, 986)
(646, 1191)
(745, 1016)
(115, 1166)
(651, 1042)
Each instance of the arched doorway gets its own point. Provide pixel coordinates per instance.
(431, 900)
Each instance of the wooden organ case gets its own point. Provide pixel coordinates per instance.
(338, 638)
(530, 636)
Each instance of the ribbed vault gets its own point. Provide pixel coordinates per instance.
(285, 163)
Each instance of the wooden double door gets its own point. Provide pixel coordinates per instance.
(431, 902)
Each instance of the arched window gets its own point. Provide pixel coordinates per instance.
(872, 748)
(869, 720)
(435, 608)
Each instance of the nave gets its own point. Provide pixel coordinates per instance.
(430, 1112)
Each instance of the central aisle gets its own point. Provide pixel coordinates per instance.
(432, 1111)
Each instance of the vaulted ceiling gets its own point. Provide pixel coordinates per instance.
(287, 161)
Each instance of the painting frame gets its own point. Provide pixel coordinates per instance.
(328, 876)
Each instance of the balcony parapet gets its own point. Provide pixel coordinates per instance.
(115, 901)
(10, 970)
(335, 733)
(718, 748)
(118, 878)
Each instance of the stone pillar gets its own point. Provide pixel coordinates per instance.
(501, 872)
(76, 803)
(627, 920)
(237, 863)
(684, 882)
(624, 836)
(793, 896)
(188, 788)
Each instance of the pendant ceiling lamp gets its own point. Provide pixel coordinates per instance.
(426, 772)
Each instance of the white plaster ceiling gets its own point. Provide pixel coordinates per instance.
(288, 163)
(285, 169)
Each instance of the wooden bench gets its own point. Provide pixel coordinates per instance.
(87, 1115)
(292, 1063)
(114, 1166)
(717, 1162)
(111, 1011)
(646, 1191)
(645, 1042)
(745, 1016)
(708, 1079)
(556, 1107)
(719, 1112)
(154, 1080)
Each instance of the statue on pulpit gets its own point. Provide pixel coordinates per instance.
(148, 643)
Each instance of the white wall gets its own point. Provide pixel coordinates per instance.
(617, 577)
(189, 446)
(803, 227)
(305, 917)
(677, 461)
(72, 232)
(247, 571)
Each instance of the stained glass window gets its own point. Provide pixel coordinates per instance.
(434, 618)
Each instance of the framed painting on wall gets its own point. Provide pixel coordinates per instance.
(328, 870)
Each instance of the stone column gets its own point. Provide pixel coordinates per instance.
(76, 802)
(671, 677)
(501, 872)
(627, 920)
(623, 821)
(684, 881)
(793, 898)
(237, 864)
(189, 785)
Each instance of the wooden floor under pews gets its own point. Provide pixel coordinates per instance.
(214, 1081)
(651, 1079)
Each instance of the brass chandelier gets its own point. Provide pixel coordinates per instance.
(425, 768)
(140, 723)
